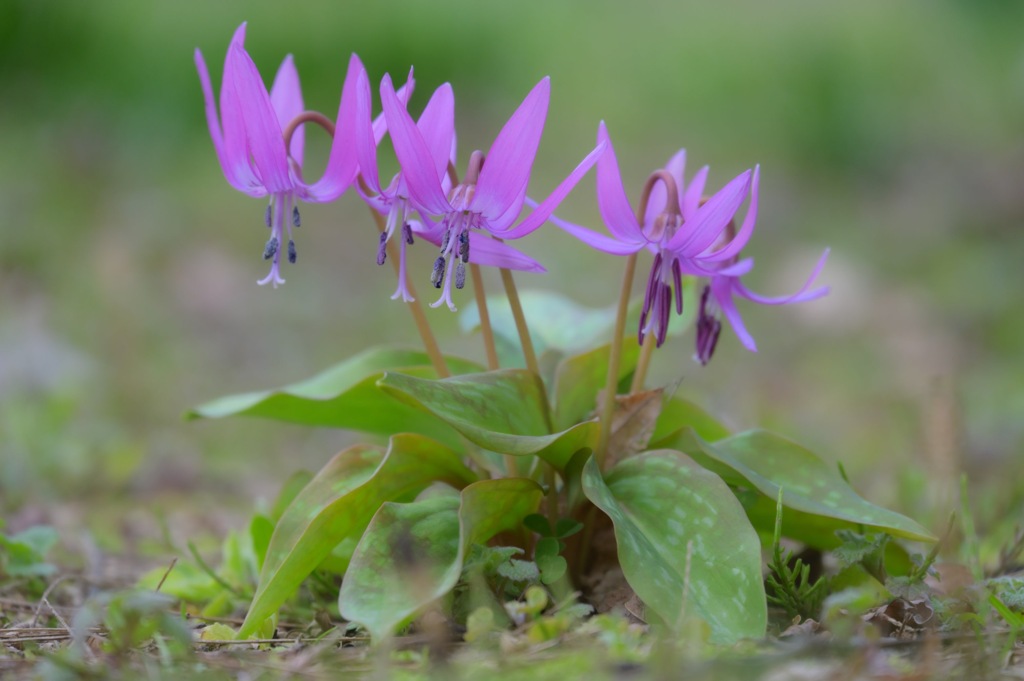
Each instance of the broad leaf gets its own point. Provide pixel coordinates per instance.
(412, 554)
(580, 378)
(664, 506)
(765, 462)
(345, 396)
(503, 411)
(679, 412)
(338, 503)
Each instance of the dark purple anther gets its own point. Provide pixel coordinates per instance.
(708, 329)
(677, 277)
(460, 275)
(437, 275)
(270, 250)
(464, 247)
(445, 239)
(296, 218)
(292, 255)
(407, 233)
(382, 248)
(267, 215)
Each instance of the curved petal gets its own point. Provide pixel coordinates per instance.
(689, 200)
(286, 98)
(598, 240)
(262, 130)
(437, 125)
(342, 164)
(543, 211)
(380, 125)
(656, 201)
(494, 253)
(507, 170)
(800, 296)
(611, 195)
(413, 154)
(234, 166)
(733, 248)
(364, 137)
(722, 290)
(710, 219)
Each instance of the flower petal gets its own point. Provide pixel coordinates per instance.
(286, 98)
(494, 253)
(800, 296)
(689, 200)
(364, 137)
(437, 125)
(656, 201)
(506, 171)
(342, 164)
(544, 210)
(733, 248)
(618, 215)
(413, 154)
(722, 291)
(710, 219)
(380, 125)
(262, 130)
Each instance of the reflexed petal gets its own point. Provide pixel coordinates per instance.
(437, 124)
(235, 167)
(380, 125)
(611, 195)
(342, 164)
(507, 170)
(707, 223)
(286, 98)
(543, 211)
(413, 154)
(656, 201)
(803, 295)
(733, 248)
(366, 145)
(493, 253)
(722, 291)
(689, 200)
(598, 240)
(262, 130)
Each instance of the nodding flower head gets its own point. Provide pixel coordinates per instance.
(489, 199)
(689, 235)
(260, 143)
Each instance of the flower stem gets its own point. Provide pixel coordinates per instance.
(640, 375)
(614, 360)
(422, 325)
(485, 318)
(520, 318)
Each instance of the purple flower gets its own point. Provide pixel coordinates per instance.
(249, 141)
(491, 195)
(688, 236)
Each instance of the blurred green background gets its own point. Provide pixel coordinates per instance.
(891, 131)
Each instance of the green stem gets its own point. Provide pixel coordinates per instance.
(422, 325)
(520, 319)
(640, 375)
(614, 361)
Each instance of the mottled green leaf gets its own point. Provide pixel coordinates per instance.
(664, 506)
(503, 411)
(765, 461)
(412, 554)
(580, 378)
(346, 396)
(339, 502)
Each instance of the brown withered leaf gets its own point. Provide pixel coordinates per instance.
(632, 423)
(901, 618)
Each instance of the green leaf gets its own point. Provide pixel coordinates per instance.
(345, 396)
(503, 411)
(24, 554)
(412, 554)
(664, 506)
(765, 461)
(678, 413)
(338, 503)
(581, 377)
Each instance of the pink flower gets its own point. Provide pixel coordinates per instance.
(688, 236)
(490, 196)
(249, 141)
